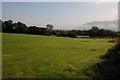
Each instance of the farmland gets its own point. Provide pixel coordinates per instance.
(35, 56)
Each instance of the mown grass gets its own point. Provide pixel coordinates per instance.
(35, 56)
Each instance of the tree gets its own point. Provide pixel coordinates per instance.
(103, 33)
(8, 26)
(94, 31)
(19, 27)
(49, 29)
(32, 30)
(36, 30)
(72, 34)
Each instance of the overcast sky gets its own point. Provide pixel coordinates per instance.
(63, 15)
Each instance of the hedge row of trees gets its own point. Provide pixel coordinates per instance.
(19, 27)
(94, 32)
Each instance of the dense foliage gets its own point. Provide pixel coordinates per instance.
(19, 27)
(109, 66)
(10, 27)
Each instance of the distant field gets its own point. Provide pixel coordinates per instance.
(33, 56)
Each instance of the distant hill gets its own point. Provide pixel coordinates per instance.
(112, 25)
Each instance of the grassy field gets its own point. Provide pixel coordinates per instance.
(31, 56)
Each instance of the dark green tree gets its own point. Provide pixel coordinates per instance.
(8, 26)
(19, 27)
(49, 29)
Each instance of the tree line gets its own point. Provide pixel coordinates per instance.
(19, 27)
(10, 27)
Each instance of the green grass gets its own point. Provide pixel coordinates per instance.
(31, 56)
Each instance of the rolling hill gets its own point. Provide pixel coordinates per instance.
(112, 25)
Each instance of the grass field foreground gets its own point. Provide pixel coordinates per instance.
(35, 56)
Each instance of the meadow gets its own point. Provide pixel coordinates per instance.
(35, 56)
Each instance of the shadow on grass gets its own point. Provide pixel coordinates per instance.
(108, 68)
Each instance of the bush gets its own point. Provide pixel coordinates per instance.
(109, 68)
